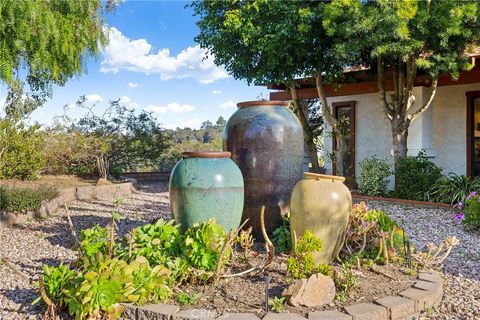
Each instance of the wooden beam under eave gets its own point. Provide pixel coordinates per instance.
(350, 89)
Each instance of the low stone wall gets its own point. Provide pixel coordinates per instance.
(147, 176)
(68, 195)
(424, 295)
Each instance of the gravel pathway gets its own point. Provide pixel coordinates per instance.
(461, 288)
(35, 243)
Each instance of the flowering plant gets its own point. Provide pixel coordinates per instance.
(469, 211)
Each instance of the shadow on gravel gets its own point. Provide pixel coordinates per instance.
(58, 233)
(24, 297)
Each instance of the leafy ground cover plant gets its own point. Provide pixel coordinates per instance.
(142, 268)
(452, 188)
(21, 200)
(374, 177)
(187, 298)
(302, 263)
(345, 281)
(276, 304)
(282, 238)
(435, 255)
(469, 211)
(373, 235)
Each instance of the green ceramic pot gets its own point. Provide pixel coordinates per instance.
(206, 185)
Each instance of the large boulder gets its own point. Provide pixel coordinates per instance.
(312, 292)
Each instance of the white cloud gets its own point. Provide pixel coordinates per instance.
(128, 102)
(125, 99)
(173, 107)
(136, 55)
(228, 104)
(194, 124)
(93, 98)
(156, 109)
(180, 108)
(214, 92)
(132, 85)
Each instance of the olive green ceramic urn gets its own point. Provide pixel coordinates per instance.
(266, 141)
(322, 204)
(206, 185)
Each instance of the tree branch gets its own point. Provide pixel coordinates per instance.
(381, 89)
(327, 114)
(411, 73)
(309, 138)
(418, 113)
(401, 84)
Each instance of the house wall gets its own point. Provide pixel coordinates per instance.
(441, 130)
(449, 127)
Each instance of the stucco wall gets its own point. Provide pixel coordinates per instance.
(441, 130)
(449, 127)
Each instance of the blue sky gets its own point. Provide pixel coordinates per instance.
(153, 62)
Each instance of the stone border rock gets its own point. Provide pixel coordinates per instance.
(68, 195)
(425, 294)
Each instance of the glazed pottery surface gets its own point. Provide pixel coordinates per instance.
(206, 185)
(266, 141)
(323, 205)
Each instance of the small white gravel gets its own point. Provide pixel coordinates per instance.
(38, 242)
(48, 242)
(461, 288)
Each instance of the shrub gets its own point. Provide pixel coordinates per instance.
(374, 177)
(302, 263)
(452, 188)
(71, 151)
(470, 211)
(21, 154)
(22, 200)
(415, 176)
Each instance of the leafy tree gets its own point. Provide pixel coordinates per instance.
(275, 42)
(69, 151)
(48, 42)
(207, 138)
(134, 141)
(409, 39)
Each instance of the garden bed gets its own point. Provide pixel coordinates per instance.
(35, 243)
(246, 294)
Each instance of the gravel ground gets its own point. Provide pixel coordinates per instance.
(461, 288)
(35, 243)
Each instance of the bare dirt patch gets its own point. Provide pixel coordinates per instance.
(58, 182)
(247, 293)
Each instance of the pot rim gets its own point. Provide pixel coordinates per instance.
(260, 103)
(318, 176)
(206, 154)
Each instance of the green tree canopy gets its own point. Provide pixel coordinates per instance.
(48, 42)
(409, 39)
(274, 42)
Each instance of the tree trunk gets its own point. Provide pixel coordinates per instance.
(102, 166)
(307, 130)
(399, 130)
(341, 147)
